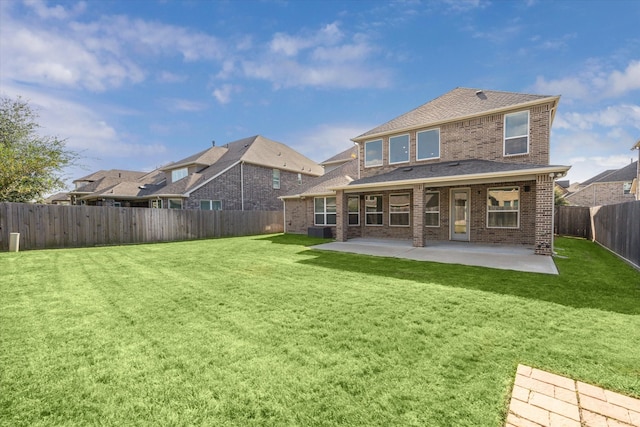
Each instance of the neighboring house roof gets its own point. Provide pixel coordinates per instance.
(347, 155)
(58, 197)
(456, 105)
(256, 150)
(324, 184)
(626, 174)
(563, 184)
(120, 188)
(459, 170)
(112, 173)
(204, 158)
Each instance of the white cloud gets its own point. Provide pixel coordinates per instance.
(223, 93)
(612, 116)
(593, 83)
(326, 140)
(175, 104)
(169, 77)
(291, 45)
(55, 12)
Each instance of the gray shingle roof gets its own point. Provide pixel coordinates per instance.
(454, 105)
(324, 184)
(256, 150)
(448, 169)
(624, 174)
(345, 156)
(112, 173)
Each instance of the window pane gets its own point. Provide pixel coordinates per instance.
(432, 219)
(331, 204)
(374, 219)
(178, 174)
(516, 145)
(175, 204)
(432, 202)
(354, 219)
(501, 199)
(373, 153)
(373, 203)
(399, 149)
(318, 204)
(354, 204)
(205, 205)
(503, 219)
(331, 219)
(428, 144)
(516, 124)
(216, 205)
(319, 219)
(276, 179)
(399, 203)
(399, 219)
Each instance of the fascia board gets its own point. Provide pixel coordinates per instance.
(553, 99)
(480, 178)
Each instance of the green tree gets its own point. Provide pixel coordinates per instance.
(30, 164)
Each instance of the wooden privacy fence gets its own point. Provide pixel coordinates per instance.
(616, 227)
(53, 226)
(572, 221)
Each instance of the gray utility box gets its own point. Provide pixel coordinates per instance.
(320, 232)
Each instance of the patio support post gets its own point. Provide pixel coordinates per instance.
(544, 215)
(342, 216)
(418, 215)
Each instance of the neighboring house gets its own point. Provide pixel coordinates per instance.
(606, 188)
(116, 188)
(248, 174)
(58, 199)
(315, 203)
(471, 165)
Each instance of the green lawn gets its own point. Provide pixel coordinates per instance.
(263, 331)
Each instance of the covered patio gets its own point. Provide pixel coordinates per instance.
(505, 257)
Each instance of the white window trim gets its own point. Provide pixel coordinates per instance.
(439, 208)
(275, 172)
(349, 213)
(408, 149)
(510, 210)
(381, 152)
(324, 212)
(376, 212)
(210, 204)
(504, 134)
(397, 213)
(418, 147)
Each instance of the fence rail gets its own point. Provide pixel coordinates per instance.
(616, 227)
(53, 226)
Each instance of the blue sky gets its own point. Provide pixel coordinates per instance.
(136, 84)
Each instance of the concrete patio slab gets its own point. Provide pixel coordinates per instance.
(543, 399)
(517, 258)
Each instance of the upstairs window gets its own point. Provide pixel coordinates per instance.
(178, 174)
(503, 207)
(324, 210)
(373, 153)
(399, 149)
(516, 133)
(626, 188)
(428, 144)
(276, 179)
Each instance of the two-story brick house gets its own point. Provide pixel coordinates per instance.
(248, 174)
(471, 165)
(607, 188)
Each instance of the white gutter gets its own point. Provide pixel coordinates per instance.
(526, 174)
(284, 216)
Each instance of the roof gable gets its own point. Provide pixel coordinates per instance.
(455, 105)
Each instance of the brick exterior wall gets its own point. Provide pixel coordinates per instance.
(259, 193)
(477, 138)
(600, 194)
(544, 215)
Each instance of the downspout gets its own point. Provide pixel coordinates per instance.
(284, 215)
(242, 185)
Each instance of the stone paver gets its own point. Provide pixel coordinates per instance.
(544, 399)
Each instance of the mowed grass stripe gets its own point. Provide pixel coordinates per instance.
(264, 331)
